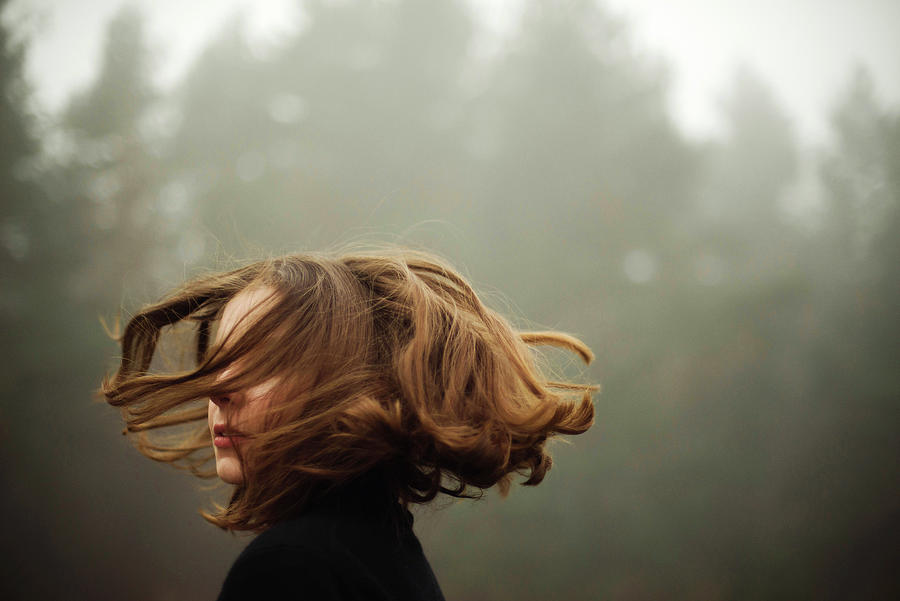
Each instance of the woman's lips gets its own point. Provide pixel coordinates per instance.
(223, 442)
(227, 441)
(223, 439)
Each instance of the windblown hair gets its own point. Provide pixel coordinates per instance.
(386, 363)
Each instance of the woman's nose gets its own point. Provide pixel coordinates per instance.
(227, 398)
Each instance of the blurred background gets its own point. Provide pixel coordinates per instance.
(708, 193)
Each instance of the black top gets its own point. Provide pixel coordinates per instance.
(352, 544)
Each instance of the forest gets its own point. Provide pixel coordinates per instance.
(746, 442)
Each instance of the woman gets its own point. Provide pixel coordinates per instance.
(337, 390)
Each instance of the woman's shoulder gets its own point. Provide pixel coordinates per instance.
(320, 555)
(347, 545)
(276, 564)
(304, 557)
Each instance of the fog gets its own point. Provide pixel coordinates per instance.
(739, 288)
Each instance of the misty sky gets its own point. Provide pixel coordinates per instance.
(804, 48)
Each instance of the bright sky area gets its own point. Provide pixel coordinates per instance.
(805, 49)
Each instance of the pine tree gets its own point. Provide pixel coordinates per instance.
(354, 122)
(577, 139)
(130, 215)
(853, 369)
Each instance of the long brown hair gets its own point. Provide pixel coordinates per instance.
(386, 362)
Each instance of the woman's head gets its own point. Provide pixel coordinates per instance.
(324, 368)
(236, 413)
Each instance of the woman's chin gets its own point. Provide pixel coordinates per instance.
(229, 470)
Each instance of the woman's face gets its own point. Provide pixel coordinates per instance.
(238, 412)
